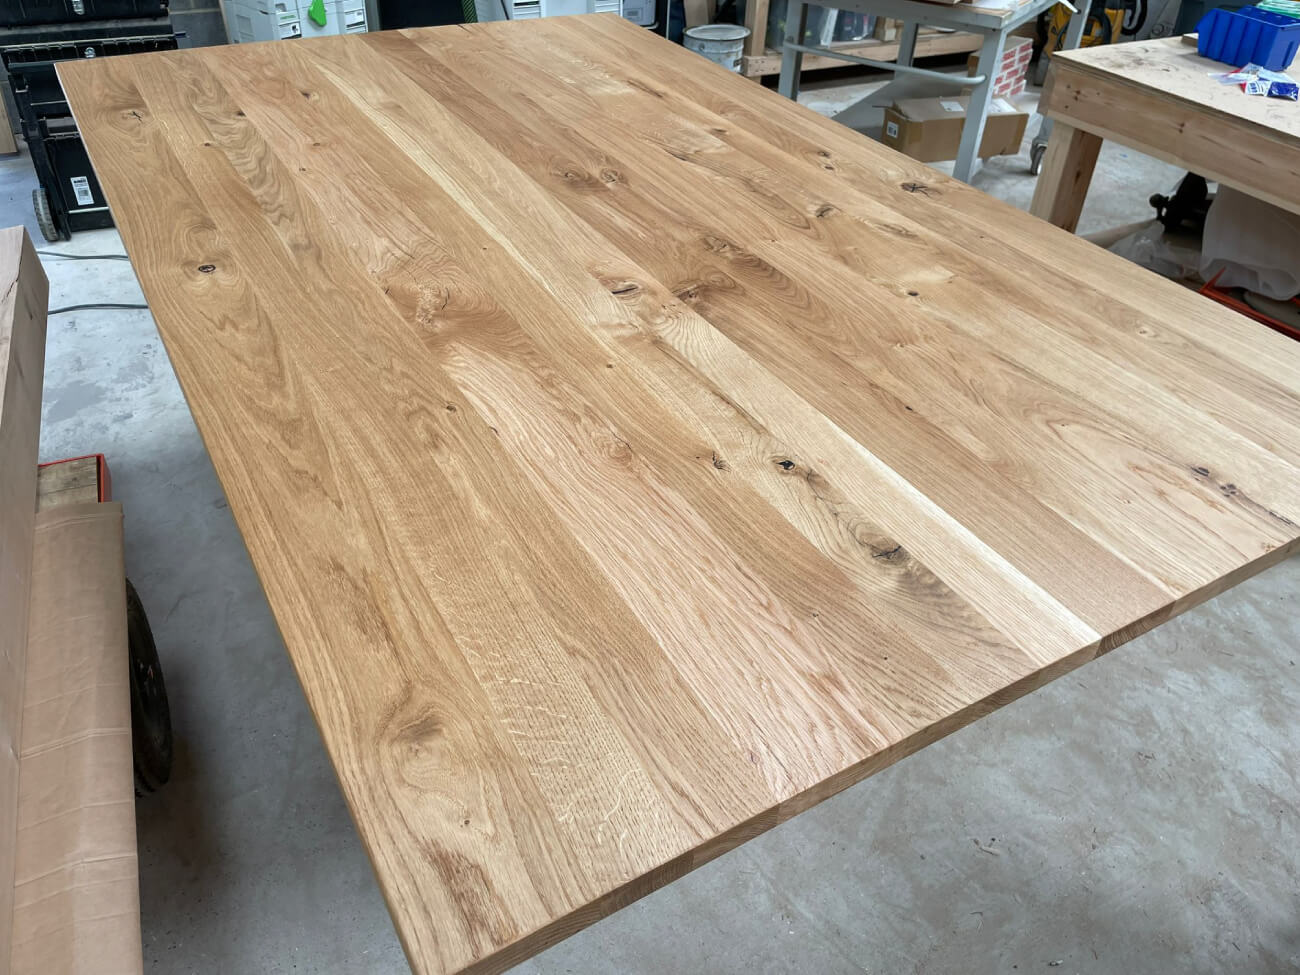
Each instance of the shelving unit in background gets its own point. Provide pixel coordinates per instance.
(760, 60)
(756, 65)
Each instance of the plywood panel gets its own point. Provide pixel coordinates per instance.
(1175, 73)
(633, 458)
(1158, 97)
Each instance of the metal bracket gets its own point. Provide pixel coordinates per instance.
(830, 52)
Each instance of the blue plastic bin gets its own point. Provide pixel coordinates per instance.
(1248, 36)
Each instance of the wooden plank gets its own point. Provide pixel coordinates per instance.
(1066, 175)
(1157, 97)
(74, 481)
(23, 293)
(597, 559)
(1179, 75)
(8, 144)
(927, 45)
(756, 21)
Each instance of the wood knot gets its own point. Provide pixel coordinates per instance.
(611, 176)
(616, 449)
(786, 464)
(825, 210)
(207, 268)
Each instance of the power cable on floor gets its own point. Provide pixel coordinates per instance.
(91, 307)
(85, 257)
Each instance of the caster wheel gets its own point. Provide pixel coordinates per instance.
(44, 218)
(1036, 152)
(151, 723)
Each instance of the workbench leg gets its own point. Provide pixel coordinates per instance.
(906, 44)
(796, 22)
(756, 21)
(1067, 171)
(972, 131)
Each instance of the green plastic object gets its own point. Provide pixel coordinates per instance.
(1287, 8)
(317, 12)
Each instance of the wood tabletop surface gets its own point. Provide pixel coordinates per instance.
(633, 458)
(1170, 68)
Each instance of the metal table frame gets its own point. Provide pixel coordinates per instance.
(993, 25)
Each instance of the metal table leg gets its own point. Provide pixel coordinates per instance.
(972, 132)
(907, 43)
(796, 21)
(1073, 35)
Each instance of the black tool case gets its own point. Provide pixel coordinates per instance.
(34, 36)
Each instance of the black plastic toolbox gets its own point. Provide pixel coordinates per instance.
(69, 198)
(27, 13)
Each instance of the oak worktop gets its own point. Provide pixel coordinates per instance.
(633, 458)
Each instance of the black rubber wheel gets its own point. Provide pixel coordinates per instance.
(1135, 17)
(44, 218)
(151, 720)
(1036, 152)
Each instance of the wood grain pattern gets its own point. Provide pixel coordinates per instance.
(1158, 97)
(73, 481)
(633, 458)
(1067, 174)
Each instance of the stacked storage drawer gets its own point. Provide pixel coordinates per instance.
(280, 20)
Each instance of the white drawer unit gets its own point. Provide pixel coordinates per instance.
(257, 20)
(282, 20)
(532, 9)
(352, 16)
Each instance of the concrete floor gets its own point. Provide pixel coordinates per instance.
(1139, 816)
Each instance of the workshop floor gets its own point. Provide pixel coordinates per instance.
(1140, 816)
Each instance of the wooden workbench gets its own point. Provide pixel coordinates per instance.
(1158, 97)
(633, 458)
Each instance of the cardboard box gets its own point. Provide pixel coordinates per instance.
(929, 129)
(1009, 79)
(69, 882)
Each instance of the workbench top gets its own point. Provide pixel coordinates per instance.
(1170, 68)
(633, 459)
